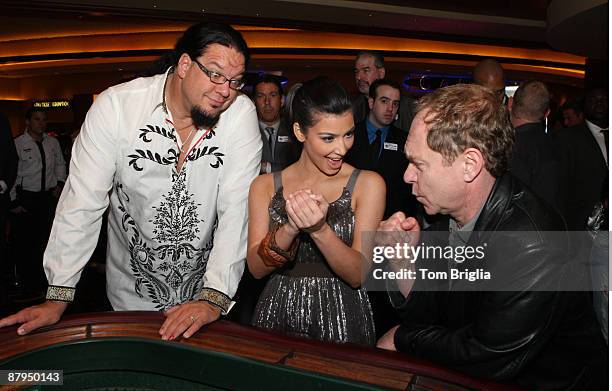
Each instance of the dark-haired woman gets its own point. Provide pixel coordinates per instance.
(306, 225)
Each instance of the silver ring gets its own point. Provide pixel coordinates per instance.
(193, 318)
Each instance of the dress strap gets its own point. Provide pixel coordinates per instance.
(350, 184)
(278, 180)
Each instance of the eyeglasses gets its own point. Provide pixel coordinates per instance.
(217, 78)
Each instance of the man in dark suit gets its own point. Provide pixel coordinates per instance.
(279, 149)
(8, 173)
(370, 66)
(585, 158)
(379, 145)
(533, 158)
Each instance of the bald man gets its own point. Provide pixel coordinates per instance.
(533, 157)
(488, 73)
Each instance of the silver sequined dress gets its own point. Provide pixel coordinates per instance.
(305, 297)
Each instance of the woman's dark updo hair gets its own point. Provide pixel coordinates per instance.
(320, 95)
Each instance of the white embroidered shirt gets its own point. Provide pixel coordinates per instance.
(172, 236)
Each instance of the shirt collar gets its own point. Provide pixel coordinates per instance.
(464, 233)
(27, 132)
(372, 130)
(275, 125)
(162, 98)
(595, 129)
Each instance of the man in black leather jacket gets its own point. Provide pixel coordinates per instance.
(524, 326)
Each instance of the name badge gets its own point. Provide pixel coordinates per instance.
(391, 146)
(282, 139)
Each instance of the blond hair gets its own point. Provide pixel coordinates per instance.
(468, 116)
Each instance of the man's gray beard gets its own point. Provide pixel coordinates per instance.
(202, 119)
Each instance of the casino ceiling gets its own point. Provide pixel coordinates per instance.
(39, 39)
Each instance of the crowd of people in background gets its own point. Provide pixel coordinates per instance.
(292, 182)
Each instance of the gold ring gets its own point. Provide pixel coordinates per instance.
(193, 318)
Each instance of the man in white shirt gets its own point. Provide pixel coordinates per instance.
(172, 156)
(41, 173)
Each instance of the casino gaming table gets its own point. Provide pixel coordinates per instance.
(123, 351)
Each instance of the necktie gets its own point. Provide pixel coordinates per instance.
(270, 133)
(605, 134)
(43, 173)
(375, 147)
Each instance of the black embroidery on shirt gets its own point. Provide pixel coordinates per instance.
(206, 151)
(171, 158)
(126, 219)
(172, 155)
(176, 226)
(155, 129)
(193, 282)
(141, 257)
(211, 133)
(170, 271)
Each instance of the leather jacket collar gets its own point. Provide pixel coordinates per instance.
(497, 205)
